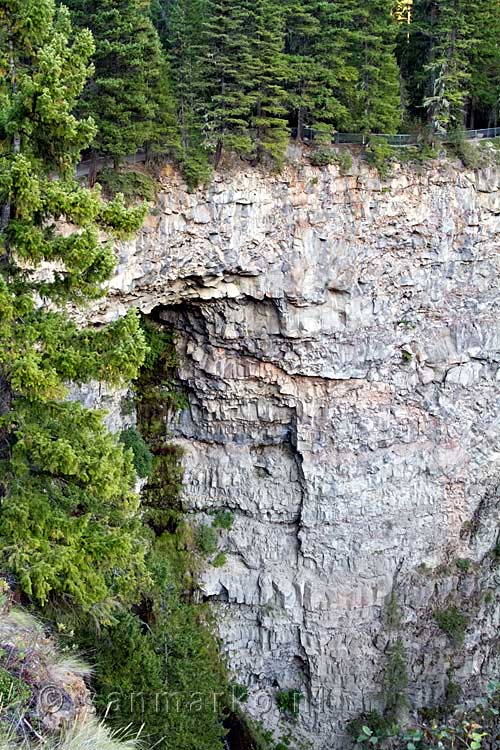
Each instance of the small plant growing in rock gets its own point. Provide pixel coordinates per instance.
(288, 702)
(469, 154)
(219, 560)
(344, 160)
(322, 157)
(396, 680)
(206, 539)
(393, 611)
(463, 564)
(132, 184)
(223, 519)
(452, 622)
(379, 153)
(239, 692)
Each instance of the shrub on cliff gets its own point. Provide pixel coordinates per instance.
(141, 455)
(379, 153)
(475, 728)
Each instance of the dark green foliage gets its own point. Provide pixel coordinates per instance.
(157, 666)
(244, 72)
(452, 622)
(160, 358)
(69, 525)
(450, 34)
(321, 77)
(181, 25)
(344, 159)
(450, 62)
(131, 184)
(69, 521)
(228, 76)
(379, 154)
(393, 615)
(378, 724)
(376, 105)
(288, 702)
(483, 58)
(268, 117)
(206, 539)
(322, 157)
(470, 154)
(129, 95)
(239, 692)
(158, 395)
(463, 564)
(161, 504)
(453, 694)
(395, 680)
(162, 675)
(142, 457)
(223, 519)
(437, 714)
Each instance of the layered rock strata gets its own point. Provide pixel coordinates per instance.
(338, 338)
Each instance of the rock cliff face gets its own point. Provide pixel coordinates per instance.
(339, 342)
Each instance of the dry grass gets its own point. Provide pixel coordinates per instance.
(94, 735)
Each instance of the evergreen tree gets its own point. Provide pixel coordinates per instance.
(129, 96)
(448, 78)
(484, 64)
(229, 69)
(181, 28)
(69, 524)
(320, 76)
(269, 125)
(377, 105)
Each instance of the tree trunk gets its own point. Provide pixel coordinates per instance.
(300, 124)
(5, 407)
(92, 177)
(218, 153)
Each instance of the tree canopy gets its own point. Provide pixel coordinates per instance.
(69, 516)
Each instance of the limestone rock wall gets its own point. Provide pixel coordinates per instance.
(339, 342)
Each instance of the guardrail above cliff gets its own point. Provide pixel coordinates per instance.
(403, 139)
(346, 139)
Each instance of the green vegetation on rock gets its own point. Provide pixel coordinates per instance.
(452, 622)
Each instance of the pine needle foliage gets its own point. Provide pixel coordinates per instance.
(69, 520)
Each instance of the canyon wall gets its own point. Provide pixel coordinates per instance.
(338, 339)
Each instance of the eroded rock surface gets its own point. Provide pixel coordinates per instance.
(339, 341)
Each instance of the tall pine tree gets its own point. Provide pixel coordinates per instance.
(450, 33)
(69, 521)
(320, 74)
(268, 123)
(129, 95)
(483, 106)
(181, 28)
(229, 70)
(377, 106)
